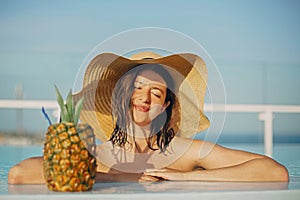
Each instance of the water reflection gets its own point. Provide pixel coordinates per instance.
(186, 187)
(159, 187)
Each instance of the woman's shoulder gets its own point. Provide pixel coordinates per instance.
(190, 143)
(181, 144)
(185, 141)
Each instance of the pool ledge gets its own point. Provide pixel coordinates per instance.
(165, 189)
(245, 195)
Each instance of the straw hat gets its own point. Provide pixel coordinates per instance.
(103, 72)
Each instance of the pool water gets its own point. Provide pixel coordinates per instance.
(287, 154)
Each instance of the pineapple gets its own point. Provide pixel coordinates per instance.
(69, 165)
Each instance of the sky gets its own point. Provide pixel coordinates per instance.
(254, 44)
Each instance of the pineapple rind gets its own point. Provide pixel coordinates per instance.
(69, 164)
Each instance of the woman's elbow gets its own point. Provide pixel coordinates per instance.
(15, 175)
(278, 171)
(28, 171)
(282, 173)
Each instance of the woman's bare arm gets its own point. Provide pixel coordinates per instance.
(28, 171)
(224, 164)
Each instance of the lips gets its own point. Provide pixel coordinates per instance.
(141, 108)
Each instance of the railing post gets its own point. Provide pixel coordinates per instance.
(267, 117)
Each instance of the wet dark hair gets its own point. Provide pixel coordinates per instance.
(122, 112)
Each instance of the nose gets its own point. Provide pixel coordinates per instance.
(144, 95)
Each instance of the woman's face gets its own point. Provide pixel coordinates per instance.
(148, 98)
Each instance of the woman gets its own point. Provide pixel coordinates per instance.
(156, 104)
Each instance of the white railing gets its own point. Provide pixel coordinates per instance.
(265, 113)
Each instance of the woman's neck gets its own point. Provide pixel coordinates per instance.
(139, 136)
(139, 132)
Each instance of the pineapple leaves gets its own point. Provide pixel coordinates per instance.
(63, 110)
(69, 106)
(69, 112)
(78, 109)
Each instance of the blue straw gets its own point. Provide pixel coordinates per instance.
(46, 116)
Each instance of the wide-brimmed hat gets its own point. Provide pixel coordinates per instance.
(105, 70)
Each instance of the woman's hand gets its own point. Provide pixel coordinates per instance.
(167, 174)
(149, 178)
(125, 177)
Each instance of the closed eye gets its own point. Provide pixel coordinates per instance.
(156, 93)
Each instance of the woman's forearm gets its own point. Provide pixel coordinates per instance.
(124, 177)
(116, 177)
(261, 169)
(256, 170)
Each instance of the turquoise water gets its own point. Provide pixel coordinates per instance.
(287, 154)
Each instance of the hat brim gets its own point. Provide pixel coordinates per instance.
(188, 71)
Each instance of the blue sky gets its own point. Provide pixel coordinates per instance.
(255, 45)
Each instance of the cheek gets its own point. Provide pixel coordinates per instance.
(156, 109)
(133, 96)
(136, 93)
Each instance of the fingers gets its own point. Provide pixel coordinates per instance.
(155, 170)
(152, 175)
(158, 175)
(149, 178)
(167, 174)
